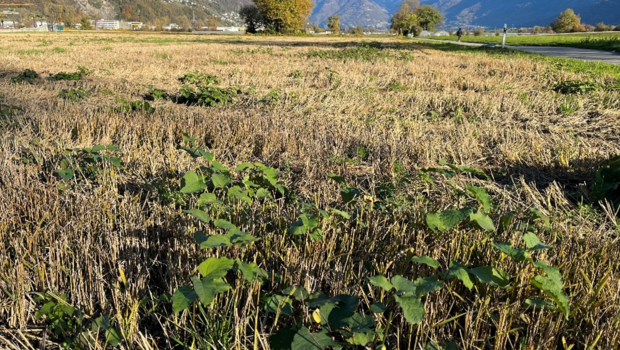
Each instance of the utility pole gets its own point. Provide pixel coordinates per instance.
(504, 38)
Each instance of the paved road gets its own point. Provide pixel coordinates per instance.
(559, 51)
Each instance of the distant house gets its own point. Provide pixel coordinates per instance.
(229, 29)
(441, 33)
(107, 24)
(131, 25)
(172, 26)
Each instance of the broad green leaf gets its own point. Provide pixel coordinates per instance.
(220, 180)
(227, 225)
(344, 214)
(198, 214)
(310, 221)
(207, 288)
(334, 314)
(317, 235)
(262, 193)
(207, 198)
(244, 166)
(518, 254)
(540, 304)
(280, 303)
(472, 170)
(554, 291)
(298, 228)
(362, 339)
(65, 174)
(378, 308)
(187, 138)
(239, 237)
(192, 183)
(360, 323)
(116, 162)
(491, 275)
(426, 285)
(181, 299)
(214, 241)
(403, 285)
(349, 194)
(427, 260)
(413, 309)
(215, 267)
(219, 167)
(552, 272)
(299, 293)
(483, 220)
(101, 323)
(238, 193)
(532, 242)
(113, 336)
(250, 271)
(448, 219)
(382, 282)
(304, 340)
(96, 148)
(482, 196)
(206, 155)
(334, 311)
(282, 339)
(339, 179)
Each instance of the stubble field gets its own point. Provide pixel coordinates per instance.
(438, 170)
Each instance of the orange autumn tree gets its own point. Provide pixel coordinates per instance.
(285, 16)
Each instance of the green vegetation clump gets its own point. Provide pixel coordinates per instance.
(200, 89)
(28, 76)
(81, 73)
(73, 94)
(365, 52)
(607, 182)
(134, 106)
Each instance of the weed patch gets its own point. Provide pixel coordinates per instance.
(28, 76)
(81, 73)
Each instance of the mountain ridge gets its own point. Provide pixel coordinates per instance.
(466, 13)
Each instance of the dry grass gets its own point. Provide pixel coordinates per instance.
(497, 113)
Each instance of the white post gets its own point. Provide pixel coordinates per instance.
(504, 38)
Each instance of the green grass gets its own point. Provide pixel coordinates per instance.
(598, 41)
(592, 69)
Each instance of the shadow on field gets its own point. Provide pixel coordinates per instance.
(404, 45)
(542, 176)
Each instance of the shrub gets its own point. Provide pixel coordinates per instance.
(478, 31)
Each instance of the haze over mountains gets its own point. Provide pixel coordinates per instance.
(465, 13)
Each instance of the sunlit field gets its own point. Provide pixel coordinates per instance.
(238, 192)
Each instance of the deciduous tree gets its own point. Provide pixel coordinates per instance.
(428, 16)
(333, 24)
(568, 21)
(285, 16)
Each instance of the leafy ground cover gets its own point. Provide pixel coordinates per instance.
(595, 41)
(305, 193)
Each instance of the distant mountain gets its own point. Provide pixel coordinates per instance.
(465, 13)
(182, 12)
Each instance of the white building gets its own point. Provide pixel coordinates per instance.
(131, 25)
(107, 24)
